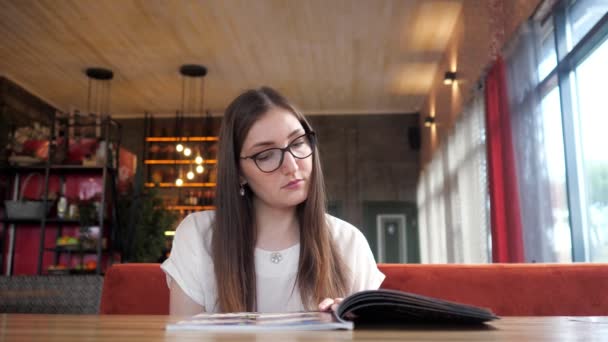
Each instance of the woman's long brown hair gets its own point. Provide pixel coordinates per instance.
(321, 271)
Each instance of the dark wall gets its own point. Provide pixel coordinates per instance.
(365, 157)
(19, 108)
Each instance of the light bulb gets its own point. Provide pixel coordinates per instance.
(179, 147)
(179, 182)
(198, 160)
(187, 151)
(190, 175)
(200, 169)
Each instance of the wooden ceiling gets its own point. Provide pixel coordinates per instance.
(334, 57)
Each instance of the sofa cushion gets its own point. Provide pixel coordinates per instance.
(509, 289)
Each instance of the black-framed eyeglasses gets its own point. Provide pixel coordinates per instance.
(271, 159)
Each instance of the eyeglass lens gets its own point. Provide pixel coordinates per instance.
(272, 159)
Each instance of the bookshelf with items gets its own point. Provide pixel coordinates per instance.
(182, 167)
(67, 177)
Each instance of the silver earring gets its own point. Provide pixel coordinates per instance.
(242, 190)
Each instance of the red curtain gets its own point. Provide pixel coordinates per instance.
(507, 241)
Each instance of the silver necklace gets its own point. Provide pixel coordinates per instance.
(276, 257)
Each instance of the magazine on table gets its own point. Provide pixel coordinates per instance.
(373, 307)
(253, 321)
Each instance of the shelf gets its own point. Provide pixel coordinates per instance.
(71, 271)
(56, 168)
(181, 139)
(176, 161)
(38, 221)
(74, 249)
(185, 185)
(191, 207)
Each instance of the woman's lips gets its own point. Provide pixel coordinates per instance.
(293, 184)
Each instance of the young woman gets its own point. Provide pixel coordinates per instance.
(269, 246)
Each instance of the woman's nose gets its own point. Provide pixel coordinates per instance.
(290, 163)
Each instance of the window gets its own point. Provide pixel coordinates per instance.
(559, 125)
(548, 56)
(557, 68)
(559, 235)
(580, 28)
(582, 15)
(453, 203)
(591, 119)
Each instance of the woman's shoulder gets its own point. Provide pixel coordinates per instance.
(196, 227)
(343, 232)
(201, 220)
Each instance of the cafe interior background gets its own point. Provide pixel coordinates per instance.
(456, 131)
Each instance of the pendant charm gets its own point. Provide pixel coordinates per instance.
(276, 257)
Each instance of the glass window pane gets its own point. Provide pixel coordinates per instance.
(582, 16)
(591, 76)
(559, 234)
(546, 44)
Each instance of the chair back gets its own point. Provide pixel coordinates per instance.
(135, 289)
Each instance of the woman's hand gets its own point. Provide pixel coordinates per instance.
(329, 304)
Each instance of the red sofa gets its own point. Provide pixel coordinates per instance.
(507, 289)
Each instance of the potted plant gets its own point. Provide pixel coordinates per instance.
(143, 238)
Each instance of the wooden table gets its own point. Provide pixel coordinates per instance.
(15, 327)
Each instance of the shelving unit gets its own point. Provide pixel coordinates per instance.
(109, 132)
(163, 164)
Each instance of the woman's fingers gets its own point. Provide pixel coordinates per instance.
(336, 303)
(325, 304)
(329, 304)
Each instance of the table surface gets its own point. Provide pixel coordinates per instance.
(116, 328)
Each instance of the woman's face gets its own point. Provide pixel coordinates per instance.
(288, 185)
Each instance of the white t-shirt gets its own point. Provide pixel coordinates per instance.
(191, 265)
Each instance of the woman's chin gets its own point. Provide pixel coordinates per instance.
(293, 199)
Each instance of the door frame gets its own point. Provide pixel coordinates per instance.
(380, 222)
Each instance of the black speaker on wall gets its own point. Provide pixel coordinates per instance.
(413, 137)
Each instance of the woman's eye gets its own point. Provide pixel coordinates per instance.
(297, 143)
(264, 156)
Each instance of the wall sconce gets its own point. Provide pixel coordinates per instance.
(429, 121)
(449, 77)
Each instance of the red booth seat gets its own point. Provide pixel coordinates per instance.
(507, 289)
(135, 289)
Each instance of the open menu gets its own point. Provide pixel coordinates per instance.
(253, 321)
(373, 307)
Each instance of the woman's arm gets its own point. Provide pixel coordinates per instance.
(181, 304)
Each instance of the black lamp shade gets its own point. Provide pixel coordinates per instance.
(449, 77)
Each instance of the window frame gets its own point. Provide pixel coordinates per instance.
(567, 62)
